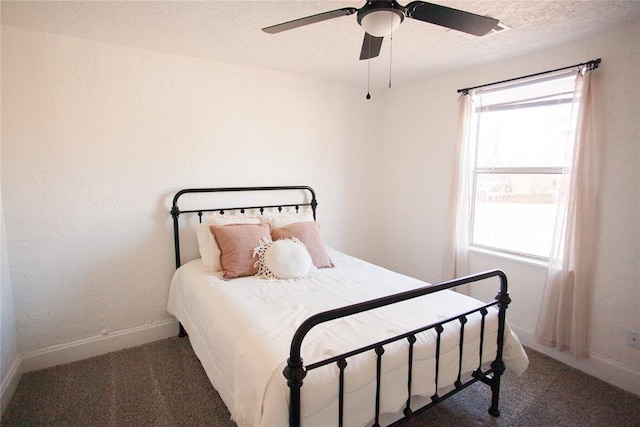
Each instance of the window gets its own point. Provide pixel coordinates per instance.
(519, 144)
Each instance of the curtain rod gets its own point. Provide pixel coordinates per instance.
(591, 65)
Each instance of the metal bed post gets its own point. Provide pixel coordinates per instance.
(175, 213)
(498, 364)
(294, 372)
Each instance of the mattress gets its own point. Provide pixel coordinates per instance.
(241, 330)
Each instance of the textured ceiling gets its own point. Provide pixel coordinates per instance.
(229, 31)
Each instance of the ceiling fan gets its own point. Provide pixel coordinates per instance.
(380, 18)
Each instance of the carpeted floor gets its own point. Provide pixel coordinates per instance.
(163, 384)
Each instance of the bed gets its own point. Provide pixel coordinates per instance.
(291, 331)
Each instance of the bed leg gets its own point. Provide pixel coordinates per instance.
(498, 370)
(183, 332)
(294, 372)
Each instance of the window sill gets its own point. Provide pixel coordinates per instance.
(510, 257)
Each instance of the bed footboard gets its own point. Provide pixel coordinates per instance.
(296, 370)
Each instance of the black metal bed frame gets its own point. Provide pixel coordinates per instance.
(296, 370)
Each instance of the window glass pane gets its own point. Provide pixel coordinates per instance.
(515, 212)
(524, 137)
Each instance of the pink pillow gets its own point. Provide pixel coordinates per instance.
(309, 234)
(236, 242)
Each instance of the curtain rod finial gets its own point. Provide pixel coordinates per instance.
(592, 65)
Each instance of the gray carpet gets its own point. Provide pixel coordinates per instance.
(163, 384)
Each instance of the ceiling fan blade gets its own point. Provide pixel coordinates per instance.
(310, 20)
(370, 46)
(451, 18)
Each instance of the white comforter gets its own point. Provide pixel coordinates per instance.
(241, 330)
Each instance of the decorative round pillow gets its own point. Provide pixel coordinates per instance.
(283, 259)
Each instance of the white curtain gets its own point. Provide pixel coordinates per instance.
(564, 313)
(456, 259)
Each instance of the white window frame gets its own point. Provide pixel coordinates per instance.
(562, 98)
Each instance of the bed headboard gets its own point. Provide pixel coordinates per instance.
(294, 193)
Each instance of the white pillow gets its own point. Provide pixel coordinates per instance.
(204, 243)
(218, 219)
(282, 219)
(283, 259)
(209, 250)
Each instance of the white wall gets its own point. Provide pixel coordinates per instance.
(9, 355)
(97, 138)
(420, 143)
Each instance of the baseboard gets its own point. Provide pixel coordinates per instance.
(10, 383)
(95, 346)
(594, 366)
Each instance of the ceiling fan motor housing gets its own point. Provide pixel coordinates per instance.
(380, 18)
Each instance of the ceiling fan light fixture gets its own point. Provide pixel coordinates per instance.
(380, 22)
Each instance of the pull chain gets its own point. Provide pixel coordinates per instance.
(368, 77)
(390, 58)
(369, 71)
(390, 55)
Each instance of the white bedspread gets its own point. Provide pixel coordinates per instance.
(241, 330)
